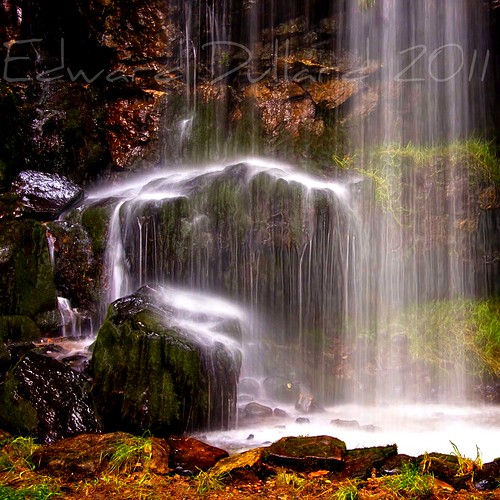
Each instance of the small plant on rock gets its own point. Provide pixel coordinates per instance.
(412, 482)
(132, 455)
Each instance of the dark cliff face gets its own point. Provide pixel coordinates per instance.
(91, 86)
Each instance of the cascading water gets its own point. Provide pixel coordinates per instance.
(331, 273)
(262, 233)
(430, 92)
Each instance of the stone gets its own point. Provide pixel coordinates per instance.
(284, 106)
(18, 329)
(258, 410)
(394, 464)
(249, 387)
(132, 126)
(302, 420)
(281, 389)
(332, 93)
(27, 285)
(44, 195)
(360, 462)
(320, 452)
(152, 371)
(278, 412)
(446, 468)
(88, 455)
(346, 424)
(248, 465)
(191, 455)
(76, 268)
(44, 398)
(488, 476)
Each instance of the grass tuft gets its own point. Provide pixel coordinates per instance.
(132, 455)
(411, 483)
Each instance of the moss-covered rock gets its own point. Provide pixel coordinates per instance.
(18, 328)
(153, 371)
(308, 452)
(26, 278)
(76, 268)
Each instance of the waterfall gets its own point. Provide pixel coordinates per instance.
(430, 102)
(269, 236)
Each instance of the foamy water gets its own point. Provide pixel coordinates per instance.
(416, 429)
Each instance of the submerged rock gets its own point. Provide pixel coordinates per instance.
(160, 367)
(45, 195)
(44, 398)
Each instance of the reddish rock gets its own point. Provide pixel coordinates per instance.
(333, 93)
(284, 106)
(131, 126)
(192, 455)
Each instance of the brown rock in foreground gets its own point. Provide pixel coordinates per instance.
(192, 455)
(87, 455)
(308, 452)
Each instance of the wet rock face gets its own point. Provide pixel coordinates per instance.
(44, 398)
(151, 372)
(26, 278)
(44, 195)
(76, 268)
(132, 125)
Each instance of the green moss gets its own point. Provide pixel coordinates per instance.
(16, 414)
(27, 285)
(95, 220)
(455, 335)
(150, 370)
(386, 166)
(18, 328)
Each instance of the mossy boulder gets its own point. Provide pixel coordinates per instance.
(161, 368)
(18, 328)
(26, 278)
(308, 452)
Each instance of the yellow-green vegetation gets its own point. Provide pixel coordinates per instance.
(16, 455)
(289, 479)
(18, 480)
(386, 165)
(347, 491)
(366, 4)
(34, 492)
(466, 465)
(132, 455)
(411, 483)
(445, 333)
(207, 482)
